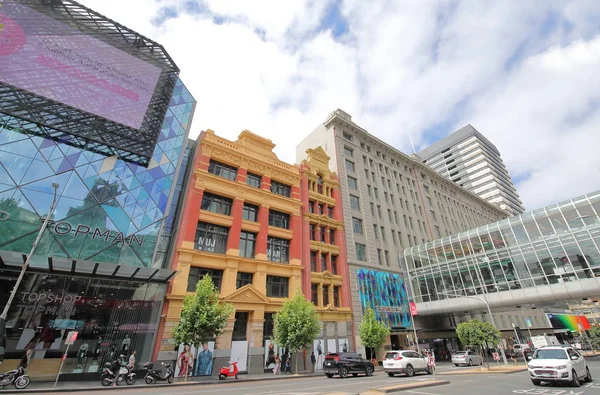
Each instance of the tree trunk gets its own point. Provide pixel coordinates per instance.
(297, 353)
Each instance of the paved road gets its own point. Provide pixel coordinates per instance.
(503, 384)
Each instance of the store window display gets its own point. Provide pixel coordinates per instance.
(112, 318)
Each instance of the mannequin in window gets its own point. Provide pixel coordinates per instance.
(112, 350)
(97, 349)
(125, 345)
(82, 354)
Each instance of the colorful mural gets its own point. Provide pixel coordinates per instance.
(386, 294)
(107, 210)
(569, 322)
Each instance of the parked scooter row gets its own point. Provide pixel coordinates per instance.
(126, 374)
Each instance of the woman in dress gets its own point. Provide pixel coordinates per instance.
(185, 361)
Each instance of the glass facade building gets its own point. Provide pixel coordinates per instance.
(101, 267)
(557, 244)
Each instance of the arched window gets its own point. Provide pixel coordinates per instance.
(319, 183)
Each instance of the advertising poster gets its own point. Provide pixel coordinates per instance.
(204, 360)
(342, 345)
(239, 354)
(331, 348)
(319, 350)
(271, 349)
(185, 360)
(57, 61)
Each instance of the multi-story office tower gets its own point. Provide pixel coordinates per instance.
(98, 110)
(473, 162)
(247, 222)
(391, 202)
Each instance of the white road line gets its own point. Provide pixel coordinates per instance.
(421, 393)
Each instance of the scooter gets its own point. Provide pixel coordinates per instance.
(228, 371)
(154, 375)
(127, 372)
(108, 377)
(16, 377)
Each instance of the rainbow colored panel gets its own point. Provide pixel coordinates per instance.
(569, 321)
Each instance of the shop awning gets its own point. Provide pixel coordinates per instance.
(80, 267)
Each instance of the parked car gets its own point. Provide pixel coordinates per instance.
(406, 362)
(558, 364)
(347, 363)
(468, 357)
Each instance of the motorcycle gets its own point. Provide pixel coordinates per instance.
(229, 371)
(154, 375)
(16, 377)
(125, 373)
(129, 375)
(108, 377)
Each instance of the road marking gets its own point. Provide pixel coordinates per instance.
(421, 393)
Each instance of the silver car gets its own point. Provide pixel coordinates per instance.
(467, 358)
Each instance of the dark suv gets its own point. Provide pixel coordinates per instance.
(346, 363)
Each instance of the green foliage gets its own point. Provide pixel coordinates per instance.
(595, 337)
(477, 333)
(371, 331)
(203, 316)
(296, 325)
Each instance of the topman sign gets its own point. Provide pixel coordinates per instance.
(64, 228)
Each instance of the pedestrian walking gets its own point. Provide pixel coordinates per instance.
(288, 364)
(313, 361)
(277, 364)
(131, 363)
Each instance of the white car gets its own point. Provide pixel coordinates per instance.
(406, 362)
(558, 364)
(466, 358)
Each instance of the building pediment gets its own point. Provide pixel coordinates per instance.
(326, 274)
(247, 294)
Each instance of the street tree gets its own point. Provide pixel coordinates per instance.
(595, 337)
(372, 332)
(203, 316)
(477, 333)
(296, 325)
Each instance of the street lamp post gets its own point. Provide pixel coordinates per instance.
(489, 312)
(4, 314)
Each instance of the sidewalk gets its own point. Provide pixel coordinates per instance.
(45, 387)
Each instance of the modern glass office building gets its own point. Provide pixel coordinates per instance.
(105, 117)
(548, 254)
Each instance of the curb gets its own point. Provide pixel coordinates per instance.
(456, 373)
(136, 387)
(407, 386)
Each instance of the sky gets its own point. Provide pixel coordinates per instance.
(522, 72)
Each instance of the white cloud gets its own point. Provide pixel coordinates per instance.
(523, 73)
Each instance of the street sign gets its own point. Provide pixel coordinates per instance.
(496, 356)
(71, 337)
(413, 308)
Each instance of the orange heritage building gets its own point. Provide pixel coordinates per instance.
(244, 222)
